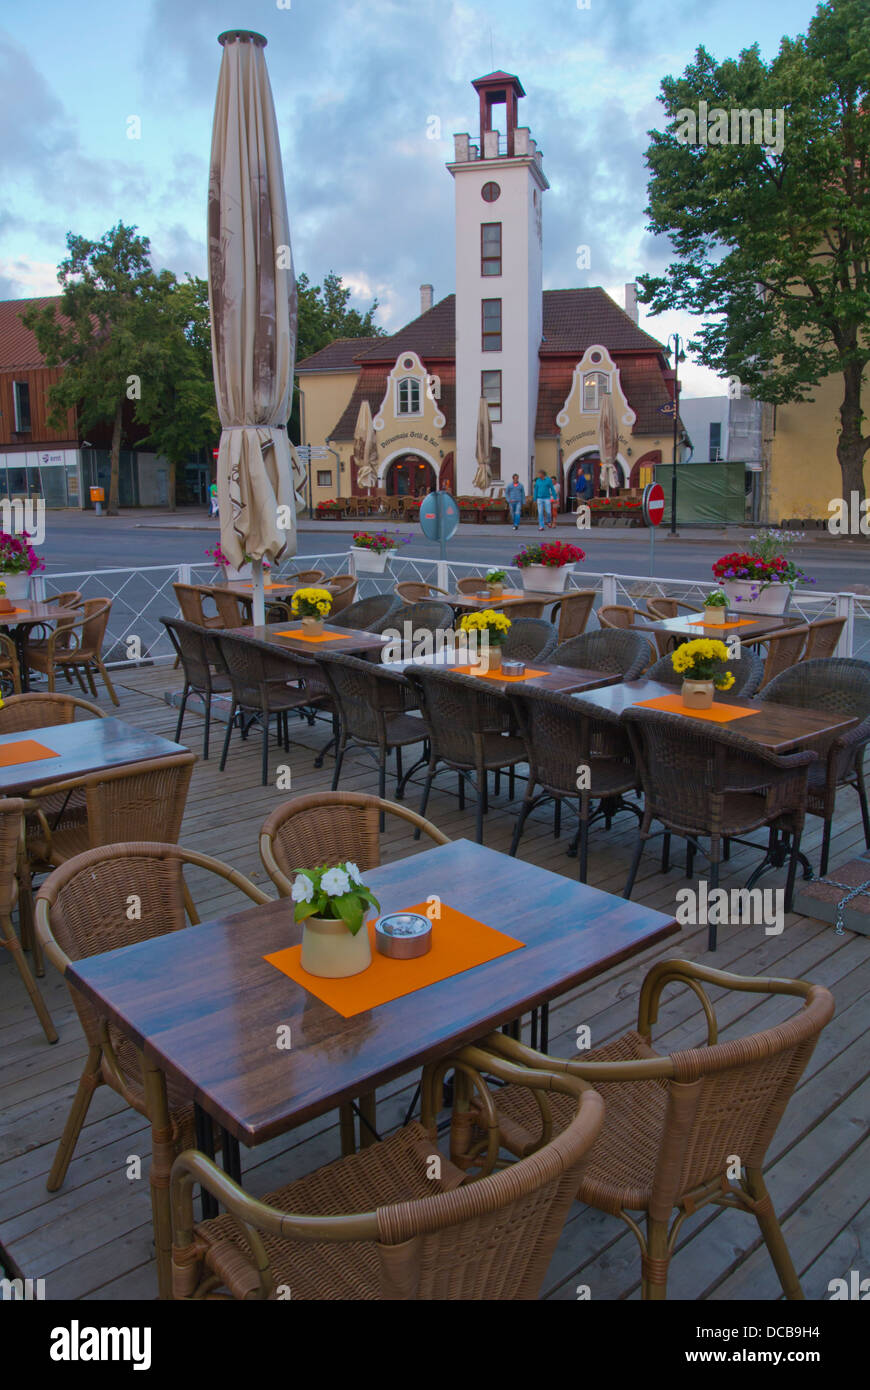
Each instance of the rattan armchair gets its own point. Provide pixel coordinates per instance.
(366, 612)
(343, 590)
(266, 681)
(618, 652)
(783, 649)
(429, 615)
(563, 734)
(82, 909)
(663, 608)
(622, 615)
(190, 603)
(10, 669)
(471, 584)
(572, 612)
(529, 639)
(204, 674)
(70, 599)
(673, 1124)
(39, 709)
(468, 731)
(747, 670)
(416, 591)
(304, 578)
(706, 780)
(823, 638)
(12, 868)
(841, 685)
(75, 647)
(377, 1225)
(234, 610)
(328, 828)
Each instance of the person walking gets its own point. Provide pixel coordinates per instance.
(581, 487)
(515, 496)
(213, 499)
(544, 493)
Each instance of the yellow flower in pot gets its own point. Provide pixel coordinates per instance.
(487, 631)
(701, 664)
(312, 605)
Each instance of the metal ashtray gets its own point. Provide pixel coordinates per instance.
(513, 668)
(403, 935)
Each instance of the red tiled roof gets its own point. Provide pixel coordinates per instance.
(337, 356)
(18, 349)
(430, 335)
(574, 319)
(642, 382)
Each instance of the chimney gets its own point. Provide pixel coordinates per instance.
(426, 293)
(631, 300)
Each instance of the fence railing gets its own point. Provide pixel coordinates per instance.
(141, 597)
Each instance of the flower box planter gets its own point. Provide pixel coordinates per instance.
(17, 585)
(370, 561)
(747, 595)
(548, 579)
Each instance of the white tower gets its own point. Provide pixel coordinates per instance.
(499, 309)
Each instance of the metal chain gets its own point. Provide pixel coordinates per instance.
(844, 902)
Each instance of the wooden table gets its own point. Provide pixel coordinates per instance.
(20, 623)
(244, 588)
(538, 597)
(350, 640)
(781, 728)
(560, 678)
(684, 627)
(205, 1007)
(89, 746)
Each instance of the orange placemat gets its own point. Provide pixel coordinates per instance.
(306, 637)
(248, 584)
(459, 943)
(720, 627)
(717, 714)
(496, 675)
(9, 612)
(25, 750)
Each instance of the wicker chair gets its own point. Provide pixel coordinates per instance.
(80, 653)
(10, 669)
(82, 910)
(38, 634)
(204, 673)
(747, 670)
(783, 649)
(12, 813)
(619, 653)
(823, 638)
(468, 731)
(621, 615)
(529, 639)
(572, 612)
(415, 591)
(343, 590)
(304, 578)
(366, 612)
(330, 827)
(431, 615)
(39, 710)
(471, 584)
(376, 1225)
(234, 610)
(561, 735)
(190, 603)
(674, 1123)
(372, 707)
(266, 681)
(137, 801)
(708, 780)
(842, 685)
(664, 608)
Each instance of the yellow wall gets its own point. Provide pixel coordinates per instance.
(804, 473)
(326, 395)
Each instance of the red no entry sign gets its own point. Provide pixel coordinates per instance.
(653, 504)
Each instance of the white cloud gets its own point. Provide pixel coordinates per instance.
(27, 279)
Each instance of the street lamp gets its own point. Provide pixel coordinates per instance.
(675, 349)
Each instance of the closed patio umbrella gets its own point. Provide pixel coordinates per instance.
(608, 442)
(483, 447)
(365, 449)
(252, 296)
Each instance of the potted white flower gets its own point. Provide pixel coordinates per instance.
(332, 902)
(495, 582)
(715, 609)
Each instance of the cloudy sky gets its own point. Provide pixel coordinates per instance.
(356, 84)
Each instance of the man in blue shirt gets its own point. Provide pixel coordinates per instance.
(544, 493)
(515, 496)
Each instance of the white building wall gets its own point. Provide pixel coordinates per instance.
(697, 414)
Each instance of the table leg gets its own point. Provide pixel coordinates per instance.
(162, 1157)
(368, 1120)
(19, 636)
(232, 1157)
(204, 1130)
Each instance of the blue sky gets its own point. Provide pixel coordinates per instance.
(356, 83)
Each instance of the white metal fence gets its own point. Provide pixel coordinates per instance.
(141, 597)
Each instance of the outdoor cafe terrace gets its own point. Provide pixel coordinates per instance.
(93, 1238)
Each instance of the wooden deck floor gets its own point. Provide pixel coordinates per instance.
(92, 1240)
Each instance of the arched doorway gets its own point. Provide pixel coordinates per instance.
(409, 476)
(648, 460)
(590, 464)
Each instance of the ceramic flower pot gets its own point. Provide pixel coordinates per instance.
(547, 579)
(746, 596)
(697, 694)
(369, 561)
(716, 615)
(312, 626)
(495, 590)
(493, 656)
(331, 951)
(17, 585)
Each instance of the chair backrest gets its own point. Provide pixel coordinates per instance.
(823, 637)
(617, 615)
(529, 639)
(343, 589)
(662, 608)
(82, 908)
(366, 694)
(619, 652)
(429, 615)
(457, 712)
(471, 584)
(329, 828)
(562, 733)
(783, 649)
(140, 801)
(197, 649)
(234, 609)
(96, 616)
(366, 612)
(747, 670)
(12, 811)
(835, 684)
(72, 600)
(305, 577)
(414, 590)
(572, 613)
(258, 670)
(68, 598)
(39, 710)
(190, 602)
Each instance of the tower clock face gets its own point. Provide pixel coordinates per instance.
(490, 192)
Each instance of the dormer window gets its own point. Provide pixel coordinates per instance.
(595, 385)
(408, 396)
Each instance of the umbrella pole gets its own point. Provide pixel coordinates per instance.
(259, 597)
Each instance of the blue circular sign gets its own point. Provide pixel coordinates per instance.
(439, 516)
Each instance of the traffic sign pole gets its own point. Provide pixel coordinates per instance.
(653, 508)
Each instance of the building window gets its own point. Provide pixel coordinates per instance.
(21, 399)
(490, 389)
(324, 477)
(408, 402)
(595, 385)
(715, 441)
(491, 324)
(495, 461)
(490, 192)
(490, 248)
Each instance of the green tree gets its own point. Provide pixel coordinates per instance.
(107, 292)
(323, 317)
(773, 240)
